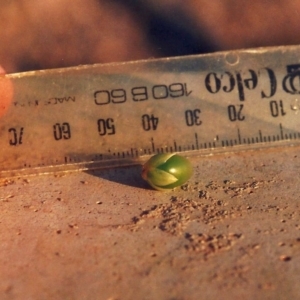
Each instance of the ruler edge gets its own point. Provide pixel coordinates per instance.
(258, 50)
(60, 170)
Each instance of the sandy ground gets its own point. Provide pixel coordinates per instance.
(233, 230)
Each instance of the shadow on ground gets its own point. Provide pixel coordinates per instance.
(130, 176)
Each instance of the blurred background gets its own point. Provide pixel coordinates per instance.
(37, 34)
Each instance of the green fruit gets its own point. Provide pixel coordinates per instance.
(167, 171)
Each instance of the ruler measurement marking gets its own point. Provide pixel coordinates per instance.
(260, 136)
(175, 146)
(153, 146)
(197, 141)
(205, 145)
(239, 136)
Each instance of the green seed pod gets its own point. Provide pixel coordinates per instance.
(167, 171)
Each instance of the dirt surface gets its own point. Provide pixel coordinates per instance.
(233, 230)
